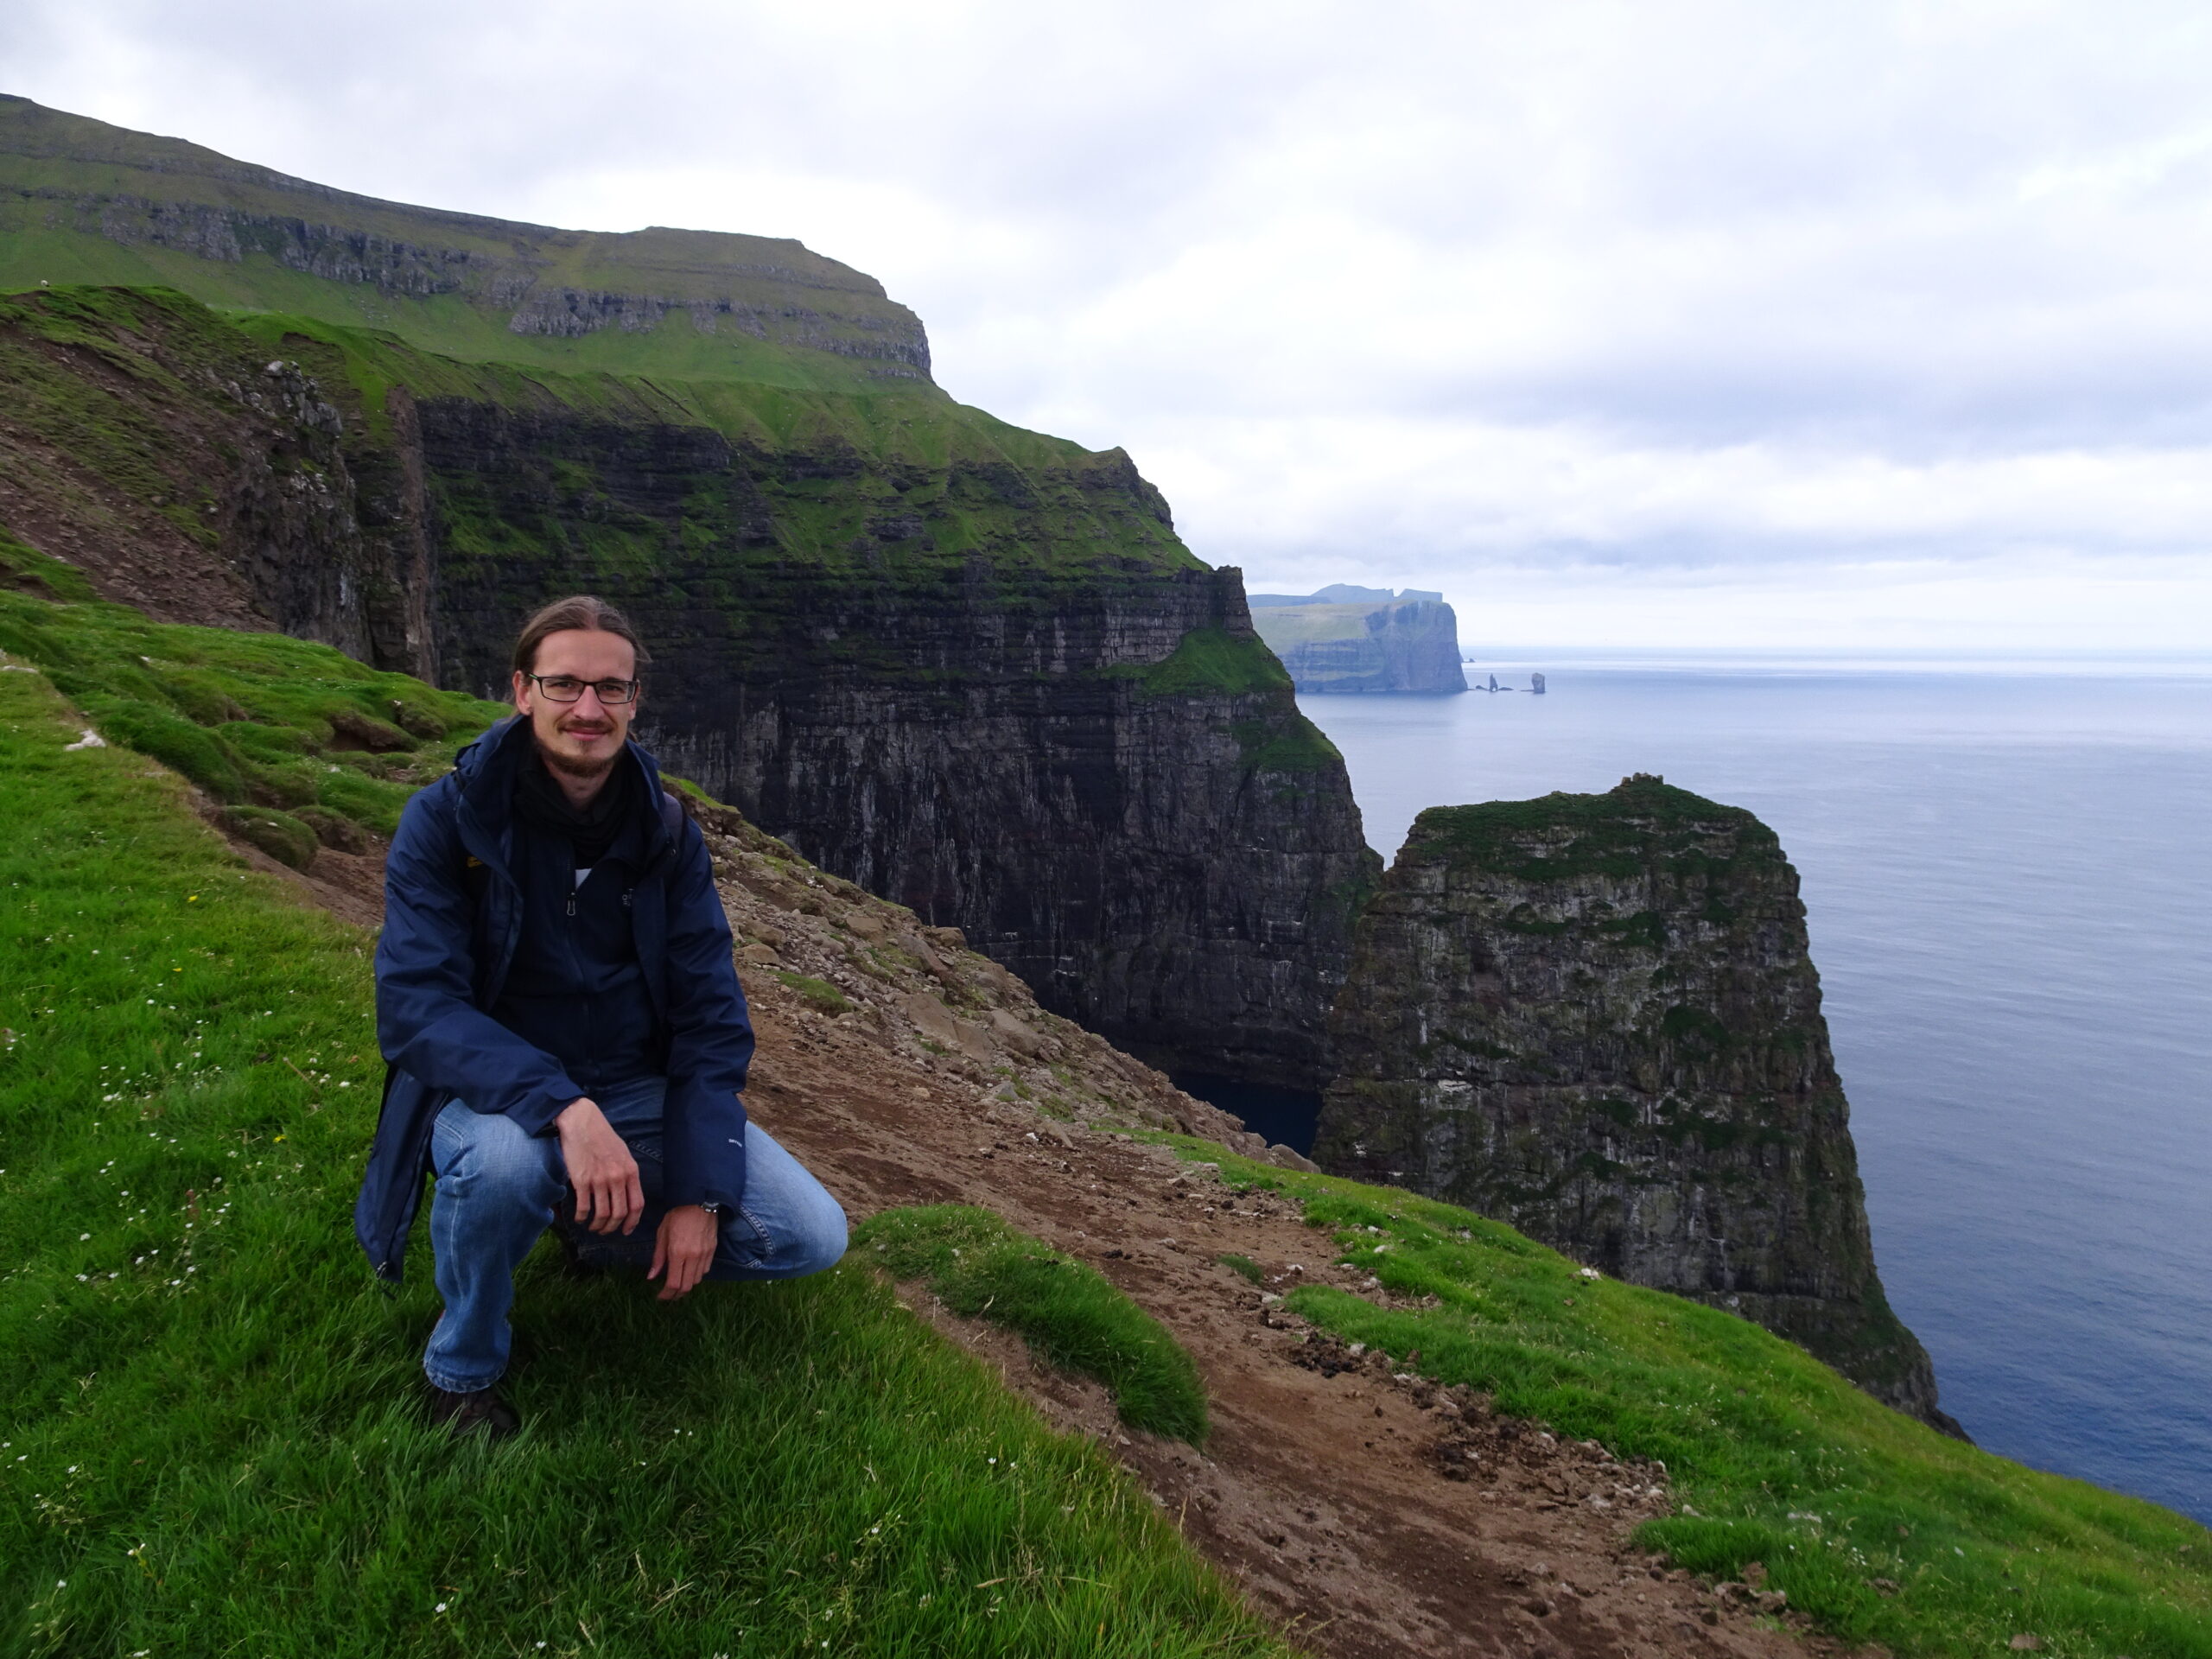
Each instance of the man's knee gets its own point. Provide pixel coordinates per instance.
(496, 1161)
(820, 1243)
(806, 1235)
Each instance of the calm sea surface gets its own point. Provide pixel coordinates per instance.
(2009, 877)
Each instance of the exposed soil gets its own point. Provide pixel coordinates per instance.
(348, 885)
(1368, 1514)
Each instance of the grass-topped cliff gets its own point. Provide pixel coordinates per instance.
(1597, 1017)
(85, 202)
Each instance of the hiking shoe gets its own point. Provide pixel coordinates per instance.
(479, 1411)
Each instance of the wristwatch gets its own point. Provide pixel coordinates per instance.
(715, 1208)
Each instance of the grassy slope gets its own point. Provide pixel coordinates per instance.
(211, 1439)
(445, 323)
(1069, 1312)
(271, 728)
(1774, 1457)
(909, 443)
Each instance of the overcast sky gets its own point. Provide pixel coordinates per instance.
(1655, 323)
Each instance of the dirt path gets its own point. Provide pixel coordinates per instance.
(1371, 1515)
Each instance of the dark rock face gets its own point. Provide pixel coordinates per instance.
(1091, 766)
(978, 674)
(1409, 645)
(1595, 1017)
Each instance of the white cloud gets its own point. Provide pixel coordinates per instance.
(1876, 317)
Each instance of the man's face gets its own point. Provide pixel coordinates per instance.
(581, 738)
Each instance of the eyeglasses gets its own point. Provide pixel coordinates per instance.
(567, 688)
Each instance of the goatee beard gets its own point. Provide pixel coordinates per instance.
(583, 772)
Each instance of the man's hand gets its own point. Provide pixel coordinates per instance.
(600, 1168)
(685, 1247)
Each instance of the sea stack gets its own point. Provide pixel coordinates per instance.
(1596, 1017)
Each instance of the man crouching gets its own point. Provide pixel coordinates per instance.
(567, 1036)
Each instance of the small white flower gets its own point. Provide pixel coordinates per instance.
(441, 1607)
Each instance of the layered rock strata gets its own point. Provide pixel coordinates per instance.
(1596, 1018)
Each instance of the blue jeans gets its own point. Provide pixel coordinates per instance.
(499, 1188)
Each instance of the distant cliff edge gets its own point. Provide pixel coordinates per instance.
(1344, 639)
(1595, 1017)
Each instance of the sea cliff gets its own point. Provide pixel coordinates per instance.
(971, 666)
(1355, 639)
(1596, 1017)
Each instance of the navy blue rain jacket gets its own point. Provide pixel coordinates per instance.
(453, 917)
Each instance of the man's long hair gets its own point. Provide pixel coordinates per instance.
(584, 611)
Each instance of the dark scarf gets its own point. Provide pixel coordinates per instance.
(591, 831)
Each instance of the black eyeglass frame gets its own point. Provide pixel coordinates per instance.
(629, 689)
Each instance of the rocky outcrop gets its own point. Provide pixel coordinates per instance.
(188, 471)
(1596, 1018)
(974, 671)
(1351, 639)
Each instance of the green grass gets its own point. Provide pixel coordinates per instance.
(865, 487)
(1284, 625)
(1562, 835)
(1070, 1314)
(799, 302)
(1244, 1266)
(1213, 659)
(24, 568)
(819, 992)
(1774, 1457)
(213, 1436)
(272, 725)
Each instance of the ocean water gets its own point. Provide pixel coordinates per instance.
(2008, 877)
